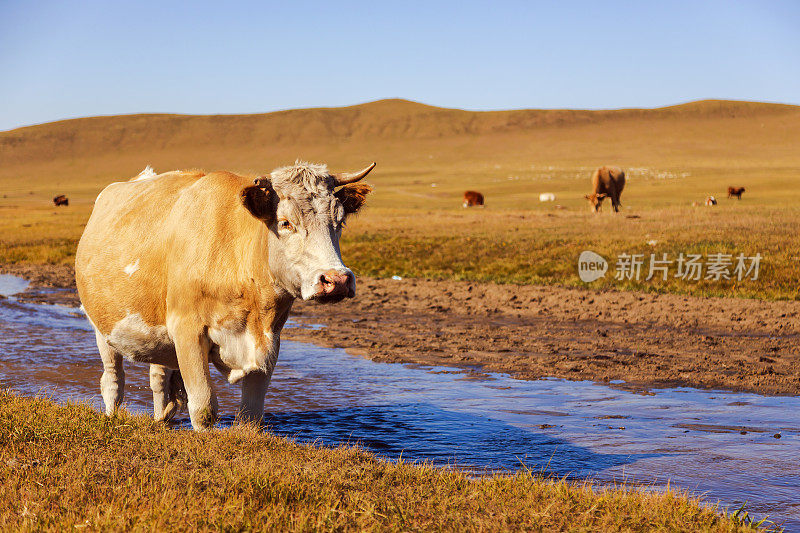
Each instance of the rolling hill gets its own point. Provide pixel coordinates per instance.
(416, 137)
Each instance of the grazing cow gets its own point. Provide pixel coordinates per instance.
(710, 200)
(735, 191)
(547, 197)
(606, 182)
(60, 200)
(187, 268)
(472, 198)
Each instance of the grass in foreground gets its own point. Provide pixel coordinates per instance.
(66, 467)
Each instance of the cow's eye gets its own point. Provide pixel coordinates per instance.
(285, 225)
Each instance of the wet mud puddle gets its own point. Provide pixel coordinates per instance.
(719, 444)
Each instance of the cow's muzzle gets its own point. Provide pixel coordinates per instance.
(334, 285)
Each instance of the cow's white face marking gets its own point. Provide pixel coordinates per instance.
(304, 243)
(138, 341)
(131, 268)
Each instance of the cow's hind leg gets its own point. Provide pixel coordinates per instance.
(112, 383)
(169, 395)
(613, 193)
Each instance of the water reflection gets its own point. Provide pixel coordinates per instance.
(427, 432)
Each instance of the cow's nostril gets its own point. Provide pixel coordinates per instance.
(335, 284)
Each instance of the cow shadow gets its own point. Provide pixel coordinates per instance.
(425, 432)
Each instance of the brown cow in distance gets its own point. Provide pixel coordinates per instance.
(606, 182)
(735, 191)
(472, 198)
(61, 200)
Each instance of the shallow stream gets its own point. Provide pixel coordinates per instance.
(731, 447)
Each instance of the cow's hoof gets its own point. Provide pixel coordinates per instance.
(203, 419)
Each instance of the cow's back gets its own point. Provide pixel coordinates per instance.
(617, 175)
(122, 255)
(608, 180)
(473, 198)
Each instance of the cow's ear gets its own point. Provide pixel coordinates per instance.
(587, 196)
(353, 196)
(260, 201)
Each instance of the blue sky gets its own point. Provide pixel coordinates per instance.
(82, 58)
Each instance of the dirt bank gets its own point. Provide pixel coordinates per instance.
(647, 340)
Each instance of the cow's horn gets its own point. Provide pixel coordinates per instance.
(351, 177)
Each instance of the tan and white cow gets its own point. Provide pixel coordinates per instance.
(187, 268)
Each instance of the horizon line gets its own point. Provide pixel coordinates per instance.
(401, 99)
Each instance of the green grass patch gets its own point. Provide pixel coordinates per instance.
(536, 247)
(411, 229)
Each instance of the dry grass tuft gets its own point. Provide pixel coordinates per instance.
(68, 466)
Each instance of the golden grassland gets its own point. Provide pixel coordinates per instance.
(68, 466)
(428, 156)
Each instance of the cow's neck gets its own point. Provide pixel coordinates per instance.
(250, 274)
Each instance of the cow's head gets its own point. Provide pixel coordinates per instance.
(595, 201)
(305, 208)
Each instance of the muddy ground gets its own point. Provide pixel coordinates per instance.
(647, 340)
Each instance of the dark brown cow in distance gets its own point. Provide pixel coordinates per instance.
(606, 182)
(60, 200)
(735, 191)
(473, 198)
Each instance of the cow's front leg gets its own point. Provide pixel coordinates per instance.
(169, 396)
(255, 383)
(192, 347)
(254, 389)
(112, 382)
